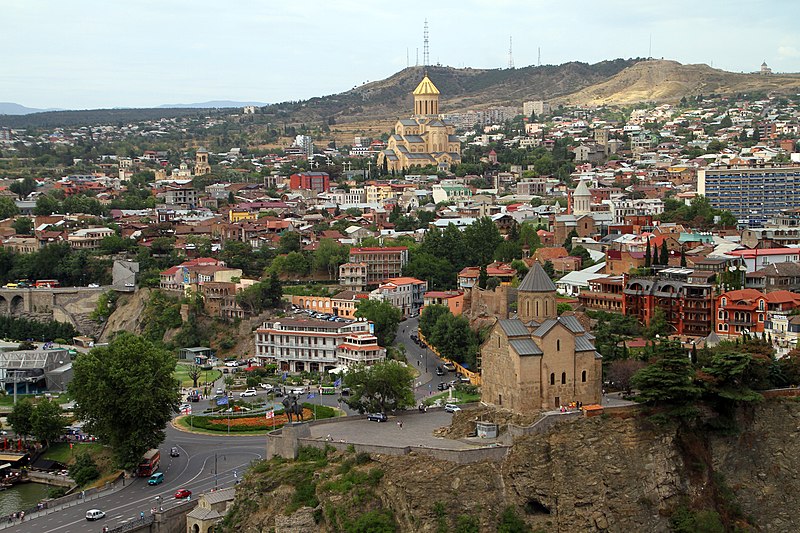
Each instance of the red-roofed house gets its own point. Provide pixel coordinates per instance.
(454, 300)
(403, 293)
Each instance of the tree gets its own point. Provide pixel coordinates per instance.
(726, 376)
(655, 261)
(483, 277)
(262, 295)
(194, 374)
(659, 326)
(21, 417)
(647, 255)
(47, 421)
(430, 315)
(329, 255)
(8, 208)
(22, 226)
(24, 187)
(482, 238)
(669, 377)
(664, 255)
(437, 271)
(84, 470)
(385, 317)
(382, 387)
(621, 372)
(549, 269)
(126, 394)
(289, 242)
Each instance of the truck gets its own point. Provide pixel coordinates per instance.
(149, 463)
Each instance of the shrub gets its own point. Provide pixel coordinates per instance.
(378, 521)
(84, 470)
(510, 522)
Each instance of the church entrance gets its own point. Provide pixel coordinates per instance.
(558, 402)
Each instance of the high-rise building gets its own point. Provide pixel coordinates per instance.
(752, 195)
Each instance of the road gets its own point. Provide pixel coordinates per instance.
(205, 462)
(427, 383)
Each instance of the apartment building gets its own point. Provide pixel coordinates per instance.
(752, 195)
(305, 345)
(604, 294)
(453, 300)
(406, 294)
(688, 307)
(353, 276)
(382, 263)
(88, 238)
(180, 195)
(312, 181)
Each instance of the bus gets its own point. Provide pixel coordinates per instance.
(327, 390)
(149, 463)
(46, 283)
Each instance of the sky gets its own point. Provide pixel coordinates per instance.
(84, 54)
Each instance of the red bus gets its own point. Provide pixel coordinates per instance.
(149, 463)
(46, 283)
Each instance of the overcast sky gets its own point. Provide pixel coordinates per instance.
(107, 53)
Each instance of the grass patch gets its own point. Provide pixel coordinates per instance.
(181, 373)
(102, 456)
(7, 400)
(458, 397)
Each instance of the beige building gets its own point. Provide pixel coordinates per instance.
(211, 509)
(539, 361)
(201, 165)
(424, 139)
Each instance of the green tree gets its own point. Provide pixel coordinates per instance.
(483, 277)
(659, 326)
(382, 387)
(84, 470)
(22, 226)
(47, 421)
(430, 315)
(568, 241)
(664, 255)
(726, 376)
(384, 316)
(289, 242)
(669, 378)
(126, 394)
(482, 238)
(329, 255)
(648, 256)
(21, 417)
(437, 271)
(510, 522)
(23, 187)
(8, 208)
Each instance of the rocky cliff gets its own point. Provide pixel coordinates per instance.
(600, 474)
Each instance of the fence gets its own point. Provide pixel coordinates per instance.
(474, 377)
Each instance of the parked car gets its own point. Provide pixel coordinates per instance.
(231, 363)
(182, 493)
(443, 386)
(464, 379)
(266, 386)
(174, 452)
(219, 392)
(377, 417)
(449, 366)
(439, 371)
(93, 285)
(248, 392)
(95, 514)
(346, 391)
(451, 408)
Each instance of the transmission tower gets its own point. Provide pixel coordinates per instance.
(539, 62)
(510, 55)
(425, 52)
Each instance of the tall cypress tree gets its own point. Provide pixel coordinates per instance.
(647, 255)
(655, 256)
(664, 253)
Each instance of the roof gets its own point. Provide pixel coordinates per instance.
(764, 251)
(513, 327)
(569, 322)
(584, 344)
(426, 86)
(378, 249)
(536, 280)
(525, 347)
(221, 495)
(581, 189)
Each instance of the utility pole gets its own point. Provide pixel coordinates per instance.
(215, 471)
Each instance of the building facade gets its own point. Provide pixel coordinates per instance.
(425, 138)
(305, 345)
(539, 361)
(752, 195)
(381, 263)
(312, 181)
(406, 294)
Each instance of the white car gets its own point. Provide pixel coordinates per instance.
(231, 363)
(266, 386)
(248, 392)
(451, 408)
(93, 285)
(95, 514)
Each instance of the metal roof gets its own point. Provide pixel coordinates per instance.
(525, 347)
(513, 327)
(572, 323)
(582, 344)
(536, 280)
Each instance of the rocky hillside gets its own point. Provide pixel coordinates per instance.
(601, 474)
(668, 81)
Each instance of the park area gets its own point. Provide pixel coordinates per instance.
(252, 423)
(182, 374)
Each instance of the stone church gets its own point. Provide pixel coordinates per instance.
(538, 360)
(424, 139)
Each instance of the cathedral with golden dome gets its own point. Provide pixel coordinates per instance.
(425, 138)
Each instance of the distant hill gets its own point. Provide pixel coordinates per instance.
(51, 119)
(10, 108)
(668, 81)
(222, 104)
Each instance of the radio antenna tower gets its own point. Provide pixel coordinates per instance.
(539, 62)
(510, 55)
(425, 52)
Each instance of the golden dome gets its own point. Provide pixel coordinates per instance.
(426, 86)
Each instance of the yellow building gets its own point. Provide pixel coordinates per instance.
(238, 215)
(424, 139)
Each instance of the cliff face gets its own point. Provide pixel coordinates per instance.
(600, 474)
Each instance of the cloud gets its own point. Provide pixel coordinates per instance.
(788, 51)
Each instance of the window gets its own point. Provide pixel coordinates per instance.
(563, 378)
(583, 376)
(558, 345)
(552, 379)
(724, 302)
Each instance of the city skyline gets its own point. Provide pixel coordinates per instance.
(93, 54)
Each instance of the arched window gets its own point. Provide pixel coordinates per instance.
(537, 308)
(553, 378)
(558, 345)
(563, 378)
(583, 376)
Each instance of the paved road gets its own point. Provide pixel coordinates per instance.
(205, 462)
(428, 382)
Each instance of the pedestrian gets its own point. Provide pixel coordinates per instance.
(22, 516)
(141, 516)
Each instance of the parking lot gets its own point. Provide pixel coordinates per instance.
(417, 430)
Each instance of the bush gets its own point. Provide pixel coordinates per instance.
(378, 521)
(84, 470)
(467, 524)
(510, 522)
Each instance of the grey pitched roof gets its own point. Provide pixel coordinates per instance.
(582, 344)
(200, 513)
(221, 495)
(545, 327)
(525, 347)
(572, 323)
(536, 280)
(513, 327)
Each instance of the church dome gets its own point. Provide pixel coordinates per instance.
(426, 86)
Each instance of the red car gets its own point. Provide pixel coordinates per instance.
(182, 493)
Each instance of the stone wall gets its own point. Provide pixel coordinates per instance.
(482, 303)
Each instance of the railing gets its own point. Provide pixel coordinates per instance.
(133, 524)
